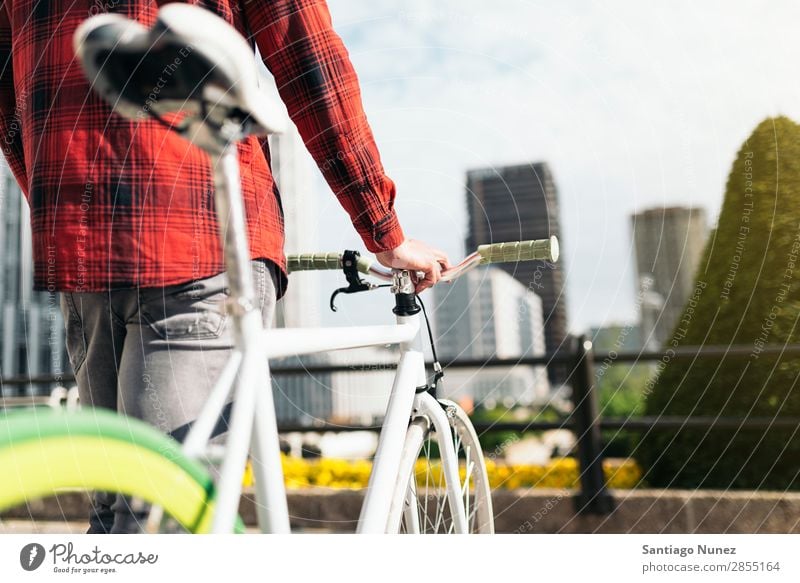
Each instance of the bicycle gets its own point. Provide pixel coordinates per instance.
(411, 487)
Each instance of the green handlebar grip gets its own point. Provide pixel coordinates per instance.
(322, 262)
(313, 262)
(541, 249)
(364, 264)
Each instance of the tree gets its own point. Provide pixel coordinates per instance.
(746, 293)
(619, 391)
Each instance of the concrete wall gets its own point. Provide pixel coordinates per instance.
(528, 511)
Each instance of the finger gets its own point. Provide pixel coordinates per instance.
(429, 280)
(434, 272)
(418, 278)
(441, 257)
(422, 286)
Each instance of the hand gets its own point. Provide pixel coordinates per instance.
(416, 256)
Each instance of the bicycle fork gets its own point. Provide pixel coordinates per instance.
(405, 405)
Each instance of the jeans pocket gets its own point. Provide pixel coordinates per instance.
(191, 311)
(75, 333)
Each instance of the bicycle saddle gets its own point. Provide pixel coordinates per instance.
(190, 61)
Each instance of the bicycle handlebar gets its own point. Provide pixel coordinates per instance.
(318, 262)
(540, 249)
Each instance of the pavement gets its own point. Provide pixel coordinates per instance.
(54, 527)
(41, 527)
(537, 510)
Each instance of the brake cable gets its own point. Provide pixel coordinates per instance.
(356, 285)
(438, 371)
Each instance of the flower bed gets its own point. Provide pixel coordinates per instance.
(558, 473)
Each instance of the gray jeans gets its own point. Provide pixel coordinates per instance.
(153, 354)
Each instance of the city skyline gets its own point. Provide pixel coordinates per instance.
(598, 90)
(610, 94)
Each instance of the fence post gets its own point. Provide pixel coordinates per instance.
(593, 497)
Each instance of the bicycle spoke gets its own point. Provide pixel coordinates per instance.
(427, 478)
(465, 489)
(439, 505)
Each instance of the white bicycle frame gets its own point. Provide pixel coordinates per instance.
(253, 426)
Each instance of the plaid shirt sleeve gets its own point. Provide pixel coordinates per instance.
(319, 85)
(10, 110)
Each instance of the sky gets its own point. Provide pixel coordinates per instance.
(633, 104)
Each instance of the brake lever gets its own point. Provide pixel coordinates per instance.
(348, 290)
(356, 284)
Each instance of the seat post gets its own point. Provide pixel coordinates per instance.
(233, 228)
(253, 396)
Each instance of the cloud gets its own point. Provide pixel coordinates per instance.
(633, 104)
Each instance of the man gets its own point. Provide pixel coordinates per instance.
(122, 213)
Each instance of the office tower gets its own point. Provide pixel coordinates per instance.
(486, 314)
(291, 166)
(616, 338)
(357, 395)
(668, 243)
(361, 396)
(514, 203)
(31, 325)
(302, 399)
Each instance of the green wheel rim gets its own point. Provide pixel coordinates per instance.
(44, 451)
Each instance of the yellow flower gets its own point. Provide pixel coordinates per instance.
(247, 479)
(557, 473)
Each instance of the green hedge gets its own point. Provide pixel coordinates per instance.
(747, 293)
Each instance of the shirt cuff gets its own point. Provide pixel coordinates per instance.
(384, 235)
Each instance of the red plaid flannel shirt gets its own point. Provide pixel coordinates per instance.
(116, 204)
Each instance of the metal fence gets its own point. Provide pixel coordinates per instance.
(584, 420)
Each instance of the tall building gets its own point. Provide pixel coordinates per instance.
(355, 396)
(302, 399)
(668, 243)
(361, 396)
(485, 314)
(616, 337)
(31, 325)
(517, 203)
(291, 166)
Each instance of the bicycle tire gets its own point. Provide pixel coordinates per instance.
(420, 473)
(45, 451)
